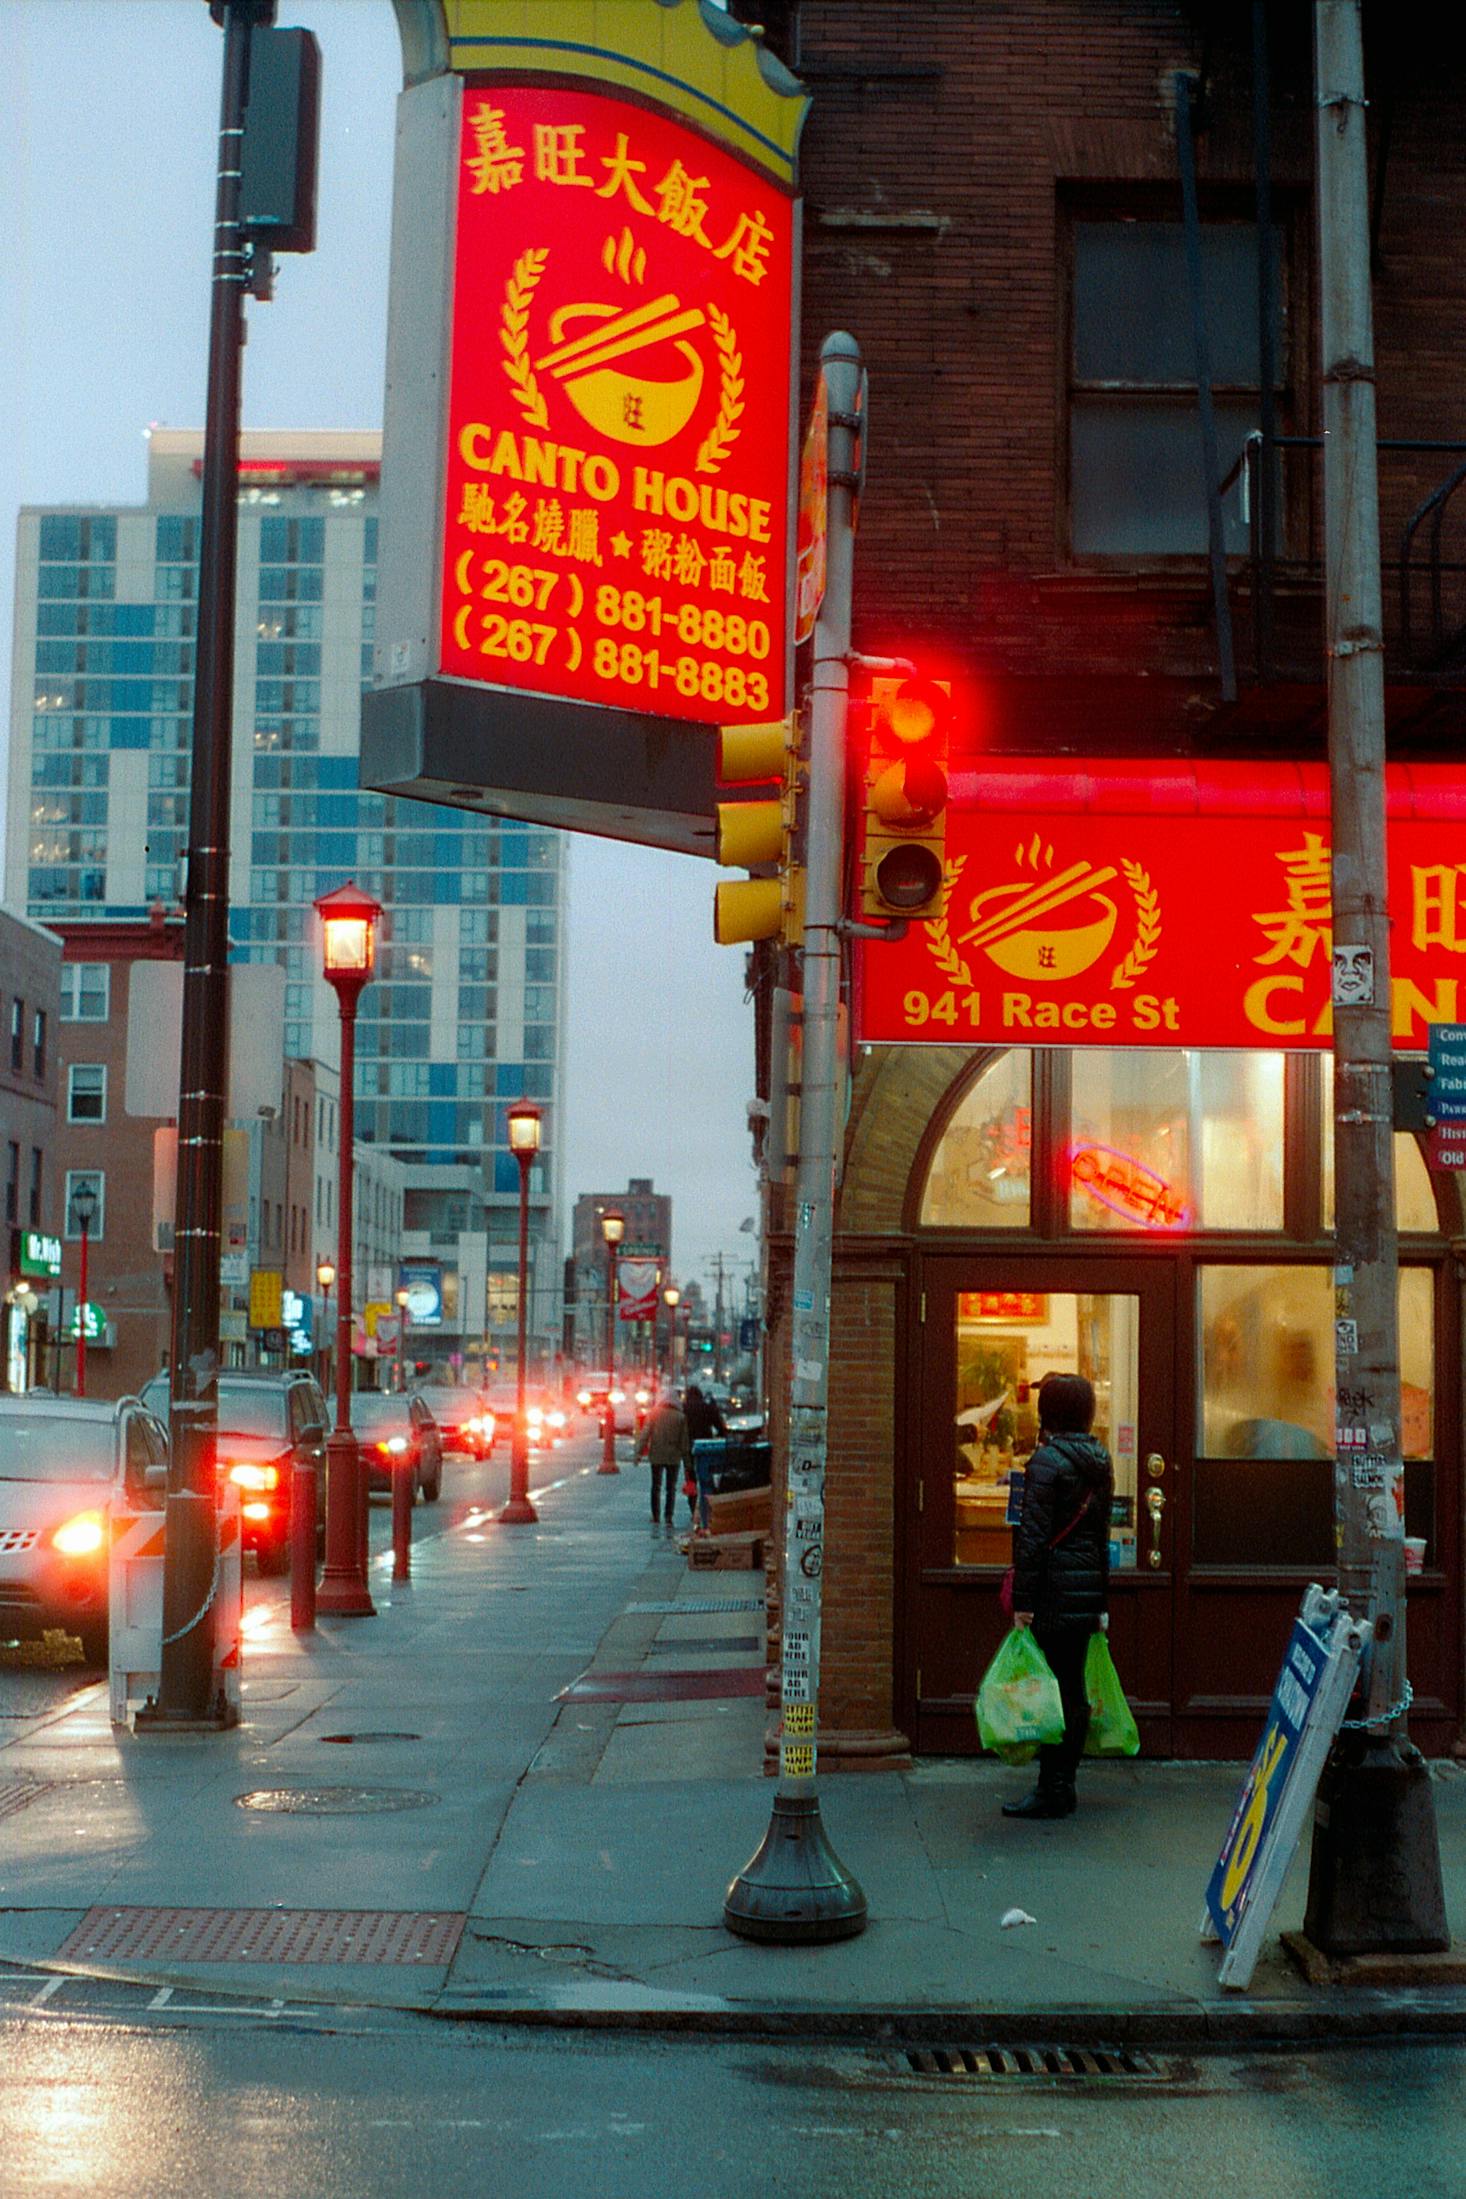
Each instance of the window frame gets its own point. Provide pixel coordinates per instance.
(100, 1067)
(97, 1227)
(1220, 208)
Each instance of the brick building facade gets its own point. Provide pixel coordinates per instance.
(994, 209)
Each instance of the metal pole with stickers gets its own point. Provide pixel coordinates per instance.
(795, 1889)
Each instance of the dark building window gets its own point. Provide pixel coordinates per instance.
(39, 1047)
(12, 1183)
(38, 1170)
(17, 1035)
(1136, 486)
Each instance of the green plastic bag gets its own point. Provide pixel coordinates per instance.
(1018, 1706)
(1112, 1729)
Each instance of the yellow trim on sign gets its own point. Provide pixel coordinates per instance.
(683, 55)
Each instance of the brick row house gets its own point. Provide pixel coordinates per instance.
(994, 208)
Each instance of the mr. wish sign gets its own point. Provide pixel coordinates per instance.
(616, 507)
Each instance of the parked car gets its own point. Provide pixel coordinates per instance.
(464, 1417)
(545, 1417)
(597, 1395)
(398, 1434)
(267, 1421)
(64, 1463)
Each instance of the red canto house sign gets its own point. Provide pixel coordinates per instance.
(1135, 904)
(617, 503)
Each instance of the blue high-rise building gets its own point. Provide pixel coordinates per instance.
(466, 1013)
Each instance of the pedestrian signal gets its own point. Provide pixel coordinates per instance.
(904, 870)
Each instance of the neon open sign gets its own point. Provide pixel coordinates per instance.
(1127, 1187)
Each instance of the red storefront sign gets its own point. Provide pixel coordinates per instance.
(636, 1289)
(1151, 904)
(617, 492)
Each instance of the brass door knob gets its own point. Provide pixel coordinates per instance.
(1155, 1465)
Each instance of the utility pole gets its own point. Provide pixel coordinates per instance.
(186, 1696)
(1375, 1880)
(795, 1889)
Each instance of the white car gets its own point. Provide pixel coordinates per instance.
(64, 1462)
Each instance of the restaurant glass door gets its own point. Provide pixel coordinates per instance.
(993, 1326)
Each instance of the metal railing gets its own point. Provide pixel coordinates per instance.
(1434, 644)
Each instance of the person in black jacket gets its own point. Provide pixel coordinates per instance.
(1061, 1570)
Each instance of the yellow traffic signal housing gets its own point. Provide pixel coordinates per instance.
(904, 866)
(759, 835)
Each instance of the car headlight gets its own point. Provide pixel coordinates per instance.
(248, 1476)
(81, 1537)
(617, 1397)
(557, 1420)
(534, 1414)
(582, 1398)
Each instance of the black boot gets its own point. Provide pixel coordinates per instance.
(1052, 1797)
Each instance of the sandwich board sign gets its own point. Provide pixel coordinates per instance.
(1307, 1707)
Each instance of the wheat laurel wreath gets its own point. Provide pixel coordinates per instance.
(1147, 932)
(939, 938)
(518, 293)
(724, 432)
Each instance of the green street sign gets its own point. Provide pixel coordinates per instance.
(40, 1255)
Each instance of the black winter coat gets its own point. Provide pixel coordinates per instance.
(704, 1418)
(1067, 1585)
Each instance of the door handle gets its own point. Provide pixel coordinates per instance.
(1155, 1504)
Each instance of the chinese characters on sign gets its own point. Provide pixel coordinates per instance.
(1101, 921)
(617, 499)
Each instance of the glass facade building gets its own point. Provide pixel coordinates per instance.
(466, 1013)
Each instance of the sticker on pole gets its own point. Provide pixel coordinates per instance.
(1309, 1700)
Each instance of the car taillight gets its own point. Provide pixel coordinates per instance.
(617, 1397)
(255, 1510)
(582, 1398)
(246, 1475)
(534, 1414)
(81, 1537)
(557, 1420)
(393, 1446)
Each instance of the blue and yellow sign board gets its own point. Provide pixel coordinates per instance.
(1266, 1784)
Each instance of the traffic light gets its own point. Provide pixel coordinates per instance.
(759, 835)
(906, 798)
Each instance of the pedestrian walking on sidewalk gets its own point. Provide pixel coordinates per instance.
(709, 1431)
(666, 1444)
(1061, 1570)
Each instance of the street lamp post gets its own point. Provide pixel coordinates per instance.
(84, 1207)
(671, 1299)
(349, 920)
(402, 1298)
(325, 1277)
(613, 1229)
(524, 1142)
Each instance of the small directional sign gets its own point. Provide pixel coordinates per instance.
(1446, 1096)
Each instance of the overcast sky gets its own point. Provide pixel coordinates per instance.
(109, 119)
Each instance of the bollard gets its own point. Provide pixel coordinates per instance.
(404, 1473)
(303, 1546)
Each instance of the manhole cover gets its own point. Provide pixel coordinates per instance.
(333, 1801)
(345, 1739)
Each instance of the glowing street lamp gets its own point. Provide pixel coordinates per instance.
(349, 920)
(325, 1277)
(524, 1120)
(671, 1299)
(613, 1229)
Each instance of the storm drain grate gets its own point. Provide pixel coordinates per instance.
(263, 1935)
(1029, 2061)
(15, 1793)
(703, 1603)
(662, 1687)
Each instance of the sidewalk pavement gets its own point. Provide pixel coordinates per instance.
(519, 1792)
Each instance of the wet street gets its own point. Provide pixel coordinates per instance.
(115, 2092)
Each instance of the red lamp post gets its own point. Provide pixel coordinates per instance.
(84, 1207)
(613, 1229)
(524, 1142)
(349, 920)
